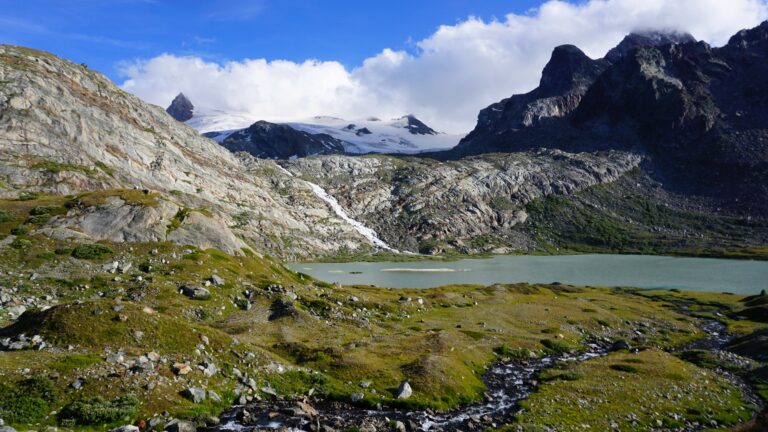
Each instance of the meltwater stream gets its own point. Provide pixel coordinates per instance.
(340, 212)
(507, 384)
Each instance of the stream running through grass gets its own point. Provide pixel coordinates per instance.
(508, 382)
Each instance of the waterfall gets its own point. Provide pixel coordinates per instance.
(340, 212)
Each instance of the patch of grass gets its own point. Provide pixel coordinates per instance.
(513, 353)
(133, 197)
(604, 395)
(557, 345)
(91, 251)
(57, 167)
(624, 368)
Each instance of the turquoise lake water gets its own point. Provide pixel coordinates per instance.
(698, 274)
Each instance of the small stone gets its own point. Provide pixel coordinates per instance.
(126, 428)
(196, 293)
(357, 397)
(216, 280)
(181, 368)
(77, 384)
(404, 391)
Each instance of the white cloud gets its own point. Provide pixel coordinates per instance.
(457, 70)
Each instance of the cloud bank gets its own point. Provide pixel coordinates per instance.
(453, 74)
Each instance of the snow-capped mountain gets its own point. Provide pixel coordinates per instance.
(406, 134)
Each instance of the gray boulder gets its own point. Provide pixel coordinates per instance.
(195, 293)
(404, 391)
(180, 426)
(195, 394)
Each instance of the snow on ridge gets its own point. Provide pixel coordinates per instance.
(386, 136)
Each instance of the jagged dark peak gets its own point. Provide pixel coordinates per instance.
(647, 38)
(568, 68)
(181, 108)
(746, 39)
(416, 126)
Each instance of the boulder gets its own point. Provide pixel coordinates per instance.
(195, 394)
(195, 293)
(404, 391)
(180, 426)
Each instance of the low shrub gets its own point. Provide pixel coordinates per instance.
(90, 251)
(28, 400)
(20, 230)
(21, 243)
(5, 216)
(95, 411)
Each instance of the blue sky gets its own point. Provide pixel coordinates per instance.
(245, 60)
(103, 33)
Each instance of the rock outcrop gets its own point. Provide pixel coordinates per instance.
(415, 203)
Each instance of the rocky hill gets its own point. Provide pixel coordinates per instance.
(67, 130)
(698, 112)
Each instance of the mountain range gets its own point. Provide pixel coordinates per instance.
(662, 123)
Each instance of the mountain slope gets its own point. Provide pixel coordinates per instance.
(65, 129)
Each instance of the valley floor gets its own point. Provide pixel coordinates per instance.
(101, 335)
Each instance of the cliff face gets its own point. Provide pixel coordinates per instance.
(416, 204)
(698, 112)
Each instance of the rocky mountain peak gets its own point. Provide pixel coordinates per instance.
(181, 108)
(647, 38)
(416, 126)
(568, 68)
(750, 38)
